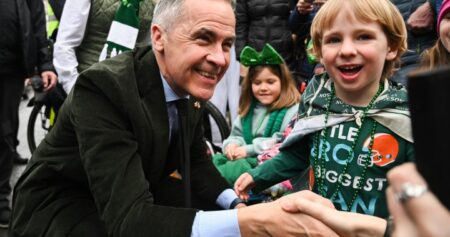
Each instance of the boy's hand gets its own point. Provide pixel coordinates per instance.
(243, 185)
(343, 223)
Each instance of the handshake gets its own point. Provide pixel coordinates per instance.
(307, 214)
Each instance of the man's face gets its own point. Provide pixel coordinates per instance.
(195, 52)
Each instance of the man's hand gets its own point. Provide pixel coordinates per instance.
(343, 223)
(269, 219)
(421, 20)
(49, 79)
(243, 185)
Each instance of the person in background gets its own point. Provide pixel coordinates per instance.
(107, 167)
(302, 14)
(419, 16)
(262, 21)
(24, 52)
(354, 123)
(269, 100)
(226, 96)
(87, 25)
(439, 54)
(57, 7)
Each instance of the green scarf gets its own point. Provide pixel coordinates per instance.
(124, 30)
(273, 125)
(390, 109)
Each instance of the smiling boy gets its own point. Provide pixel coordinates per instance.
(354, 123)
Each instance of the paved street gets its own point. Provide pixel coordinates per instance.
(24, 113)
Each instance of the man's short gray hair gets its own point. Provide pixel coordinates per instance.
(168, 12)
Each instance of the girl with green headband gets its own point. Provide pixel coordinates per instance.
(269, 99)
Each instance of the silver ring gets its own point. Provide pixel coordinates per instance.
(409, 191)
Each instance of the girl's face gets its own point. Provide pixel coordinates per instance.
(444, 31)
(266, 87)
(354, 53)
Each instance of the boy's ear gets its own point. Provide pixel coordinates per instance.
(391, 54)
(157, 33)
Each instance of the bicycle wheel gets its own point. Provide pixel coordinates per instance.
(39, 124)
(224, 129)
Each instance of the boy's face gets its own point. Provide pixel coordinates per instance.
(354, 53)
(195, 53)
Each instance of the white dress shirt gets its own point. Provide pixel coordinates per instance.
(70, 35)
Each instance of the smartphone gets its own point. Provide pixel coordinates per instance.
(309, 1)
(429, 102)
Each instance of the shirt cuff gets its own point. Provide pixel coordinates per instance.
(216, 224)
(226, 198)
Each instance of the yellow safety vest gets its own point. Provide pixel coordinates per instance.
(52, 22)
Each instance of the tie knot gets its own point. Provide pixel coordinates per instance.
(181, 105)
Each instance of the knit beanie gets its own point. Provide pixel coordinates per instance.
(445, 7)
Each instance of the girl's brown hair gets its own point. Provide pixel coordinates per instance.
(289, 95)
(435, 57)
(381, 11)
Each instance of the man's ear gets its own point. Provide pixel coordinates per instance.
(157, 37)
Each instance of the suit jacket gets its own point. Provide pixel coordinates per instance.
(106, 154)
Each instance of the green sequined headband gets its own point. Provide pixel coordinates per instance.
(268, 56)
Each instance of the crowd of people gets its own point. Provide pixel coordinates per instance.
(127, 155)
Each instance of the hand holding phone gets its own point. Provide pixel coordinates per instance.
(305, 6)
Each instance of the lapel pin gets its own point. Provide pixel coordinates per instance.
(197, 105)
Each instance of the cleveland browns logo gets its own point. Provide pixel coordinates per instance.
(384, 149)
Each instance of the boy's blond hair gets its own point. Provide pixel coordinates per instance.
(380, 11)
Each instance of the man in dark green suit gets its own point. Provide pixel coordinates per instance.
(106, 168)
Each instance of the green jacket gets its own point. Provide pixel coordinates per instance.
(259, 123)
(106, 155)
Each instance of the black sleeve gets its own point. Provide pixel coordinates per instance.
(39, 35)
(202, 166)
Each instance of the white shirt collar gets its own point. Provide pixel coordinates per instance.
(169, 94)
